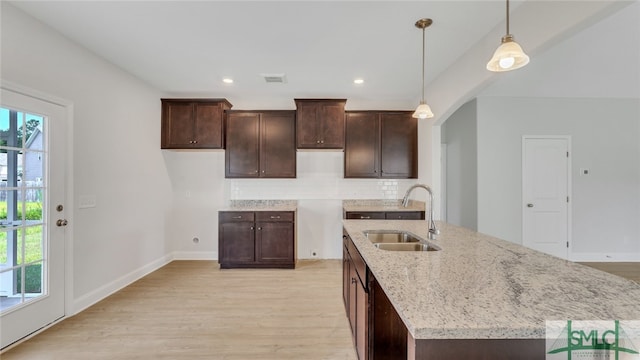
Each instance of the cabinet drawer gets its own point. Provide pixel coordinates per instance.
(405, 215)
(365, 215)
(230, 216)
(274, 216)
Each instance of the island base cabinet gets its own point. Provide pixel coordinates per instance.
(477, 349)
(387, 331)
(356, 298)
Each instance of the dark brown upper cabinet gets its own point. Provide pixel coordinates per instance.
(260, 144)
(193, 123)
(381, 144)
(320, 123)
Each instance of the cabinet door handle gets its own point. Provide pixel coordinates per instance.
(365, 217)
(237, 217)
(353, 280)
(275, 217)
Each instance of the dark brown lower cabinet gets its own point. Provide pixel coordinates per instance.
(356, 297)
(261, 239)
(380, 334)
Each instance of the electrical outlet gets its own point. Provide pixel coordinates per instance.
(314, 253)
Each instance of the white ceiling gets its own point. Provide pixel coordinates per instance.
(186, 48)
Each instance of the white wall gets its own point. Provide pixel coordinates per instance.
(588, 87)
(200, 191)
(116, 157)
(459, 134)
(604, 133)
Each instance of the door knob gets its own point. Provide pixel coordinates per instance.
(529, 205)
(61, 222)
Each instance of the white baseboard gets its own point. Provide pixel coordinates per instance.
(194, 255)
(102, 292)
(604, 257)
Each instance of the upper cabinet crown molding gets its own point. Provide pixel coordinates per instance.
(320, 123)
(193, 123)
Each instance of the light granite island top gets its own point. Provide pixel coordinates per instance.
(481, 287)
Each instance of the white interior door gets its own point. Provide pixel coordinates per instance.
(545, 194)
(32, 191)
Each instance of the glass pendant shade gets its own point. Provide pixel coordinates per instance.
(423, 111)
(508, 56)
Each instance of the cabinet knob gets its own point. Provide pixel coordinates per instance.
(353, 280)
(263, 171)
(251, 228)
(259, 228)
(317, 141)
(321, 141)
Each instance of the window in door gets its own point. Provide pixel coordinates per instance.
(22, 229)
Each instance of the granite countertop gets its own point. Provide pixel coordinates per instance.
(481, 287)
(261, 205)
(381, 205)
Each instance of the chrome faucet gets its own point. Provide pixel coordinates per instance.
(433, 231)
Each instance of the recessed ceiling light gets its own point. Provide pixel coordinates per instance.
(227, 80)
(358, 81)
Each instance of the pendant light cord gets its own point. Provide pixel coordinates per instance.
(507, 17)
(423, 47)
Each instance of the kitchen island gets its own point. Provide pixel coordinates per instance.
(479, 296)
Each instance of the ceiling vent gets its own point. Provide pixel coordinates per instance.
(274, 78)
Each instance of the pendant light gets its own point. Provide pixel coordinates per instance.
(423, 111)
(509, 55)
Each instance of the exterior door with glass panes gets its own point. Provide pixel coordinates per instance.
(32, 222)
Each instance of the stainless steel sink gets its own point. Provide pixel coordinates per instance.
(390, 236)
(395, 240)
(406, 247)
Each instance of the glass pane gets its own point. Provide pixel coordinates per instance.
(33, 242)
(11, 128)
(33, 280)
(33, 168)
(19, 241)
(10, 208)
(4, 257)
(33, 129)
(33, 207)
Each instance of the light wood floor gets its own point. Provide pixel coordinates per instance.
(193, 310)
(629, 270)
